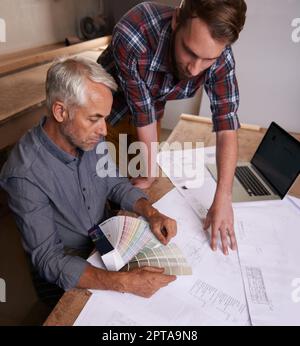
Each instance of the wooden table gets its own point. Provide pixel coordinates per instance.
(191, 129)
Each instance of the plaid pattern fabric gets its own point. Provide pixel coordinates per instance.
(139, 59)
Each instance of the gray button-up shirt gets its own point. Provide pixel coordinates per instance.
(56, 199)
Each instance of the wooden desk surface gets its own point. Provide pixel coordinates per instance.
(192, 130)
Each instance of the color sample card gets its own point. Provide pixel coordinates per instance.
(134, 245)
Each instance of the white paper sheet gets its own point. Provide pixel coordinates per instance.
(185, 168)
(199, 194)
(270, 257)
(213, 295)
(295, 201)
(269, 242)
(264, 279)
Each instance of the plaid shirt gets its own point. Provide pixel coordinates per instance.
(139, 59)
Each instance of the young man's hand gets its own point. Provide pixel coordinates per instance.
(220, 218)
(220, 214)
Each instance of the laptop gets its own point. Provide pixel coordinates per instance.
(272, 171)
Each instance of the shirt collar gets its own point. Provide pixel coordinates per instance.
(160, 61)
(52, 147)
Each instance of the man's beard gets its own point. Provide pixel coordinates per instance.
(177, 73)
(70, 136)
(173, 62)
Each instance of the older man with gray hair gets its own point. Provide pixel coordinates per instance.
(56, 194)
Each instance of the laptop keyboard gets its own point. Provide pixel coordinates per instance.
(250, 182)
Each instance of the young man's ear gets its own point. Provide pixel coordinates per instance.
(59, 111)
(175, 17)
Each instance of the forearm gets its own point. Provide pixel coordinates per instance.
(220, 215)
(148, 136)
(99, 279)
(143, 282)
(143, 208)
(227, 154)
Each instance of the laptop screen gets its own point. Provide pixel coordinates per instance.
(278, 159)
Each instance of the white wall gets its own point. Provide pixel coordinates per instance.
(33, 23)
(268, 65)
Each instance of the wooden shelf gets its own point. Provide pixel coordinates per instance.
(22, 87)
(10, 63)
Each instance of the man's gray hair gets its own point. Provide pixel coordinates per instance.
(66, 80)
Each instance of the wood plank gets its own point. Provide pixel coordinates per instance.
(12, 131)
(17, 55)
(68, 308)
(206, 120)
(22, 91)
(21, 62)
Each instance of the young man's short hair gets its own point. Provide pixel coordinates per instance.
(225, 18)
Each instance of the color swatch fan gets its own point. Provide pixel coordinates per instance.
(168, 257)
(121, 238)
(126, 243)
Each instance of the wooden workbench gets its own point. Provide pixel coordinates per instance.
(191, 129)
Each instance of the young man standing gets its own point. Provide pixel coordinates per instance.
(159, 53)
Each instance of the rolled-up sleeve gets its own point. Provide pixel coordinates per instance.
(34, 218)
(222, 89)
(123, 192)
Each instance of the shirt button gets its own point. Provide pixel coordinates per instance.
(84, 189)
(89, 208)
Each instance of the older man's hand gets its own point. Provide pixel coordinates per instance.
(145, 281)
(163, 227)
